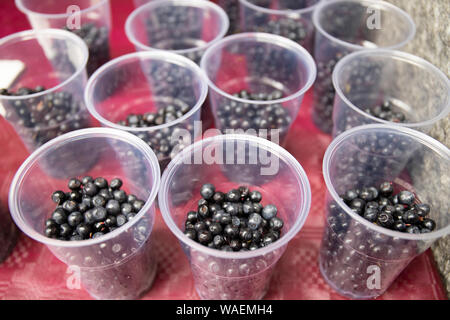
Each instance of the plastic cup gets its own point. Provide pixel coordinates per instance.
(186, 27)
(417, 93)
(149, 82)
(288, 18)
(358, 258)
(57, 62)
(89, 19)
(258, 63)
(345, 26)
(120, 264)
(234, 275)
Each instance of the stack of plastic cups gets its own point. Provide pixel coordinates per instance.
(261, 64)
(119, 264)
(358, 258)
(8, 232)
(400, 88)
(228, 161)
(57, 66)
(89, 19)
(345, 26)
(288, 18)
(168, 85)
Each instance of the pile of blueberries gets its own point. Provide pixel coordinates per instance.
(233, 221)
(90, 209)
(160, 140)
(387, 111)
(43, 118)
(97, 41)
(237, 115)
(398, 212)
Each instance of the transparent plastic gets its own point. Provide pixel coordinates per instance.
(258, 63)
(144, 82)
(120, 264)
(364, 80)
(358, 258)
(288, 18)
(345, 26)
(186, 27)
(90, 19)
(231, 8)
(58, 63)
(239, 160)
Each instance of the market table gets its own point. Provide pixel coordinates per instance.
(32, 272)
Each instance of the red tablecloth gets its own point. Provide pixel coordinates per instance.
(31, 271)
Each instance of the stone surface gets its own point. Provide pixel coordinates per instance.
(432, 42)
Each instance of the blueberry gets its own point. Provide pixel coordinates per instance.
(90, 189)
(99, 213)
(422, 209)
(98, 201)
(51, 231)
(116, 183)
(236, 222)
(204, 237)
(84, 230)
(399, 226)
(233, 195)
(350, 195)
(192, 216)
(428, 224)
(410, 217)
(371, 214)
(248, 207)
(215, 229)
(138, 205)
(406, 197)
(254, 221)
(245, 234)
(101, 183)
(121, 220)
(111, 221)
(207, 191)
(74, 184)
(385, 219)
(199, 226)
(113, 207)
(244, 192)
(276, 224)
(386, 189)
(235, 245)
(85, 180)
(231, 232)
(191, 234)
(413, 229)
(75, 218)
(126, 209)
(58, 197)
(269, 212)
(226, 219)
(203, 211)
(120, 196)
(59, 216)
(219, 197)
(218, 241)
(255, 196)
(89, 217)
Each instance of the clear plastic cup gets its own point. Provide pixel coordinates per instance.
(259, 63)
(120, 264)
(386, 86)
(259, 164)
(89, 19)
(288, 18)
(358, 258)
(186, 27)
(57, 63)
(150, 82)
(345, 26)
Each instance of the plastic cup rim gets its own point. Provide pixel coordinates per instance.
(271, 39)
(74, 136)
(34, 35)
(143, 55)
(25, 10)
(389, 6)
(419, 137)
(284, 12)
(269, 146)
(187, 3)
(407, 59)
